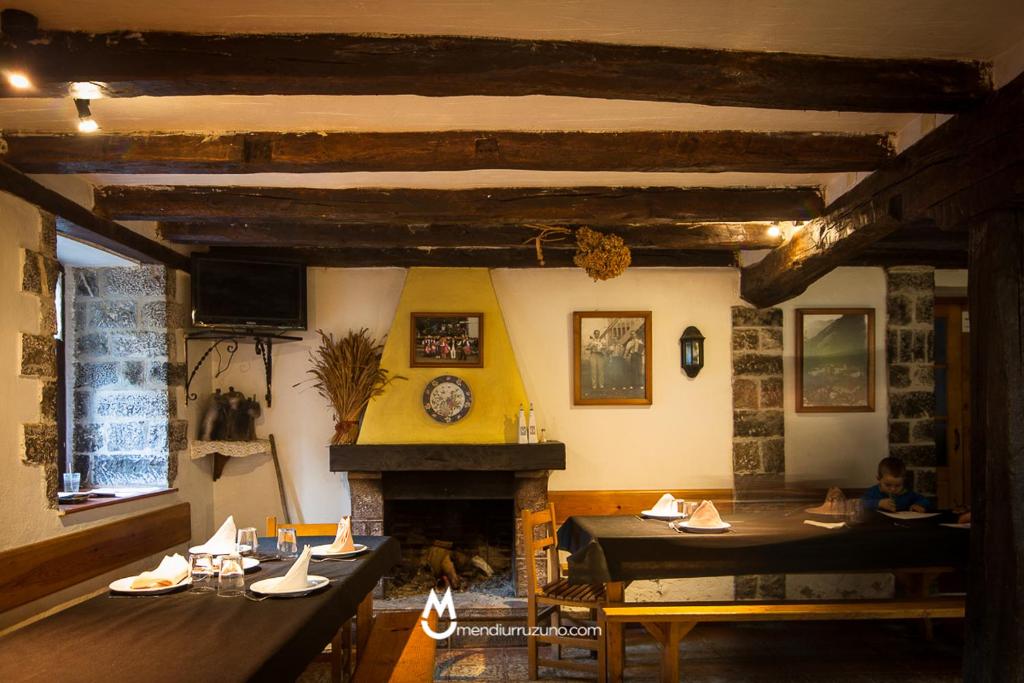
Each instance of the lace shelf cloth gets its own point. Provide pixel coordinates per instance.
(232, 449)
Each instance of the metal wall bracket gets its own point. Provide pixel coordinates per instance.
(263, 344)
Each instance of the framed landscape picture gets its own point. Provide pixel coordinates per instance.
(446, 340)
(611, 358)
(835, 360)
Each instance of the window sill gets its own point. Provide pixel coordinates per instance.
(94, 503)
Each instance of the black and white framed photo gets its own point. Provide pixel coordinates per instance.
(611, 358)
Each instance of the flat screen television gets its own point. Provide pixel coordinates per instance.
(246, 293)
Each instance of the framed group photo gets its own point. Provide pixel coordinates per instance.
(611, 358)
(446, 340)
(835, 360)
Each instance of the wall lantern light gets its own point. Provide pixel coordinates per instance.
(691, 346)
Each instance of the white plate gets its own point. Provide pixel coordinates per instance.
(964, 525)
(907, 514)
(202, 549)
(320, 551)
(125, 586)
(815, 511)
(662, 515)
(266, 586)
(685, 526)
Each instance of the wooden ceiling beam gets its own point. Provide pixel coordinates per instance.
(517, 257)
(81, 223)
(972, 164)
(593, 206)
(695, 236)
(662, 151)
(134, 63)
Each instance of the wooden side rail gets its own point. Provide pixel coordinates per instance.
(398, 651)
(669, 623)
(33, 571)
(807, 611)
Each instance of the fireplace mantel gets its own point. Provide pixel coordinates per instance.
(457, 457)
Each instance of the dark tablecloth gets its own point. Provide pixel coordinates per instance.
(190, 636)
(625, 548)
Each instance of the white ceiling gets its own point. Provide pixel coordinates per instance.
(975, 29)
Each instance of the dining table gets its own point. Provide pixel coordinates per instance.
(629, 547)
(615, 550)
(200, 636)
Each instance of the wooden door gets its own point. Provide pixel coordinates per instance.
(952, 402)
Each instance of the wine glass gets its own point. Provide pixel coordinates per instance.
(247, 537)
(287, 545)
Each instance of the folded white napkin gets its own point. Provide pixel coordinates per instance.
(343, 541)
(222, 542)
(295, 579)
(825, 525)
(706, 516)
(172, 570)
(666, 505)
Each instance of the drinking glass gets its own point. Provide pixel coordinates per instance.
(231, 579)
(287, 546)
(686, 508)
(72, 481)
(247, 536)
(201, 565)
(854, 510)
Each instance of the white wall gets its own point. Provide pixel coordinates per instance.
(301, 421)
(841, 449)
(683, 440)
(26, 514)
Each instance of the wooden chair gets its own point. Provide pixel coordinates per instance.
(545, 602)
(339, 653)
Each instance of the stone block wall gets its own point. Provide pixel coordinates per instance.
(910, 323)
(39, 275)
(125, 372)
(758, 435)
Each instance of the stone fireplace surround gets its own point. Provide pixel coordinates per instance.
(449, 471)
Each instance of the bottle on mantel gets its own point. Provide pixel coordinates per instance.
(523, 432)
(531, 426)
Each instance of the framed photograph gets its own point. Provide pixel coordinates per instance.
(611, 358)
(446, 340)
(835, 360)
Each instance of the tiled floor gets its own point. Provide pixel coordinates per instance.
(808, 652)
(795, 652)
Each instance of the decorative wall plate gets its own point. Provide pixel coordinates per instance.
(447, 399)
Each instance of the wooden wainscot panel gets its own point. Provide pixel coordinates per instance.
(630, 502)
(33, 571)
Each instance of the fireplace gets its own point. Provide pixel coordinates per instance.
(467, 544)
(423, 493)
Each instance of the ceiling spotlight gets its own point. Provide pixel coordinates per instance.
(774, 230)
(86, 123)
(18, 80)
(86, 91)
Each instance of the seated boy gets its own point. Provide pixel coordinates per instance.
(890, 494)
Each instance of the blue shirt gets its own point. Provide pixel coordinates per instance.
(873, 496)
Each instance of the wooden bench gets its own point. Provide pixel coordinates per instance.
(34, 571)
(398, 651)
(669, 623)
